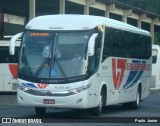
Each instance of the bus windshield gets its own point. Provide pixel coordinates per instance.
(53, 55)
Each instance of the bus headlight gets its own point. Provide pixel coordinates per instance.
(23, 88)
(78, 90)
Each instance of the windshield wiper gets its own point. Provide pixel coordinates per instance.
(60, 68)
(41, 66)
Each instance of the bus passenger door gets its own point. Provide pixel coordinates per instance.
(92, 92)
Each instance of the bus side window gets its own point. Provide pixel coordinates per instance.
(108, 45)
(154, 59)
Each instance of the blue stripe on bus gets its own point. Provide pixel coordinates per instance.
(31, 85)
(134, 76)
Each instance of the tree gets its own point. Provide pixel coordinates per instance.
(151, 5)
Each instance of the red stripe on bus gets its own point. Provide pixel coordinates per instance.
(14, 70)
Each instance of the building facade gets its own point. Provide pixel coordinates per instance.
(16, 13)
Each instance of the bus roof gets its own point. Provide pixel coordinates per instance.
(78, 22)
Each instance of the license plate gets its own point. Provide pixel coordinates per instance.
(48, 101)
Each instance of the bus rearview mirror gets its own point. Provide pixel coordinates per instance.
(12, 43)
(91, 44)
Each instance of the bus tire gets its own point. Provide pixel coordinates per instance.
(136, 103)
(125, 105)
(98, 110)
(40, 110)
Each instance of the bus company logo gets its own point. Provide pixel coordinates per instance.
(42, 86)
(136, 68)
(118, 69)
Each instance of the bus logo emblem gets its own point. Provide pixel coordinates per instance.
(42, 86)
(118, 69)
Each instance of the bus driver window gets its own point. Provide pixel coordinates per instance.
(95, 59)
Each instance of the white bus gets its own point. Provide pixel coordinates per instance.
(155, 83)
(8, 67)
(115, 63)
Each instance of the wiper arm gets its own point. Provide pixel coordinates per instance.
(60, 68)
(41, 67)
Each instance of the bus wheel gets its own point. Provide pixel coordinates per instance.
(98, 110)
(125, 105)
(40, 110)
(135, 104)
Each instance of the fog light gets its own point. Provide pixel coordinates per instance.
(21, 98)
(79, 100)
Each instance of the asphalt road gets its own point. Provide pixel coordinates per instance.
(149, 109)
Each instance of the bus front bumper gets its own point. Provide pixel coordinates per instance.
(79, 100)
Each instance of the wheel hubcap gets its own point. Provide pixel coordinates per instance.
(138, 98)
(100, 104)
